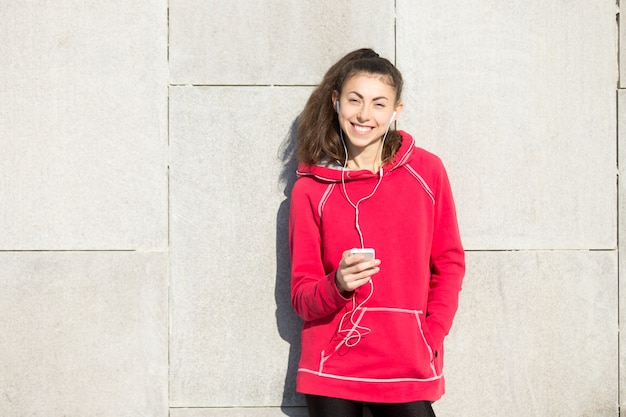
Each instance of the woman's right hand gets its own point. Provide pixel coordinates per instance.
(354, 271)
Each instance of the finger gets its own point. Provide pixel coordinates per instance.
(359, 282)
(361, 276)
(365, 265)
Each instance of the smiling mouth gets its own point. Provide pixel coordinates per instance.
(362, 129)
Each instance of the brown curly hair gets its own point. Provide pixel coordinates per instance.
(318, 124)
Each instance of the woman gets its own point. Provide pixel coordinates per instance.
(374, 326)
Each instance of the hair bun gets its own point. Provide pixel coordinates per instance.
(370, 53)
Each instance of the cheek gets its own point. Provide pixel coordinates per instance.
(388, 118)
(344, 119)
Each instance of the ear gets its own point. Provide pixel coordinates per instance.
(335, 98)
(398, 109)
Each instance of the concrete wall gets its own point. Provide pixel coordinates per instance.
(145, 181)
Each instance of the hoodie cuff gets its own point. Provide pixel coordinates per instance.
(333, 282)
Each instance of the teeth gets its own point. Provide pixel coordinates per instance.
(362, 129)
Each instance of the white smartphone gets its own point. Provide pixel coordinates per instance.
(369, 253)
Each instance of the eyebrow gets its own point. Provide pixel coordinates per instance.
(374, 99)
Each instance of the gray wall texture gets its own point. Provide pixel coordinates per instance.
(147, 163)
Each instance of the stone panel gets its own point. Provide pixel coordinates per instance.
(621, 22)
(518, 98)
(622, 245)
(83, 334)
(234, 335)
(83, 121)
(535, 335)
(272, 42)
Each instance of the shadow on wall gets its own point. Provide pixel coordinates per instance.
(288, 322)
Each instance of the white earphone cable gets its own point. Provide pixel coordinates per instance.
(343, 182)
(355, 333)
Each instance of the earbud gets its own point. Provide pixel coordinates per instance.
(337, 105)
(393, 116)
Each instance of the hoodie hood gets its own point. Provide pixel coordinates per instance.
(333, 172)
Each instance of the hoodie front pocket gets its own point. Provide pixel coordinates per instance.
(394, 346)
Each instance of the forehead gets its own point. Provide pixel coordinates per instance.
(374, 85)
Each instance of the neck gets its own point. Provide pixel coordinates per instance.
(365, 159)
(355, 164)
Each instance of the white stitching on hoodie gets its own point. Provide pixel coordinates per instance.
(359, 379)
(422, 182)
(324, 357)
(324, 199)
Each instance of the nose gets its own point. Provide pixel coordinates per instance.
(363, 114)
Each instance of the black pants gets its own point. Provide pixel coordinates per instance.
(335, 407)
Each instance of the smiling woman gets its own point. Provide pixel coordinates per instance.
(374, 326)
(366, 107)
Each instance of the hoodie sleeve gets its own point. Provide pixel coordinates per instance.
(447, 263)
(314, 294)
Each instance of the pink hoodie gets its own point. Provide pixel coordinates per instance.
(385, 342)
